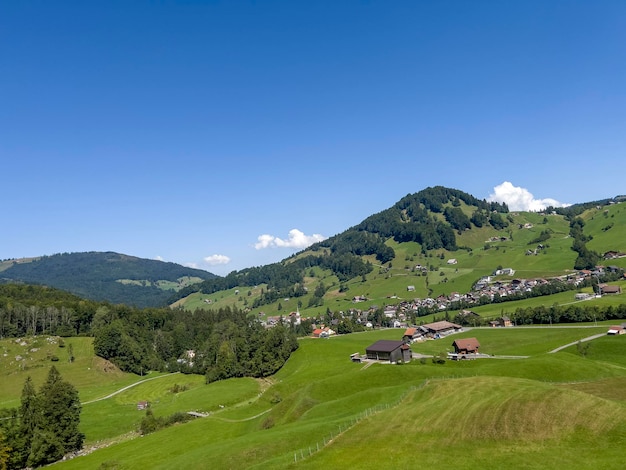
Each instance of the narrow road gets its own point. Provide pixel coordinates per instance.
(123, 389)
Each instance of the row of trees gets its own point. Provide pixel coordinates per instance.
(45, 426)
(587, 259)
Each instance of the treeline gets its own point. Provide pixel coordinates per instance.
(225, 343)
(45, 426)
(32, 310)
(573, 313)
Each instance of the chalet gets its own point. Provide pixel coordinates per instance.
(612, 255)
(616, 330)
(610, 290)
(466, 346)
(504, 272)
(503, 321)
(389, 350)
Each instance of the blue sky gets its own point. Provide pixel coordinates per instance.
(229, 134)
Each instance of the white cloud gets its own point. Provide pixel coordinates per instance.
(214, 260)
(520, 199)
(159, 258)
(296, 239)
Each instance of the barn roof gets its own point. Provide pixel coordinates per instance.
(442, 325)
(385, 345)
(470, 344)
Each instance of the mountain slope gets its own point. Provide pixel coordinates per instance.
(435, 242)
(106, 276)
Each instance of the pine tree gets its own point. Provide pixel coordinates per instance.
(48, 421)
(29, 409)
(5, 452)
(60, 411)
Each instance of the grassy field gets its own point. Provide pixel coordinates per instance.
(22, 357)
(321, 409)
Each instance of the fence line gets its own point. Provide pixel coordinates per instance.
(304, 453)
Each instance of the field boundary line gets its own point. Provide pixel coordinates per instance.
(304, 453)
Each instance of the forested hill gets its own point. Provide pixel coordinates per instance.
(431, 217)
(437, 241)
(106, 276)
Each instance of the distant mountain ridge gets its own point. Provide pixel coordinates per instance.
(408, 244)
(105, 276)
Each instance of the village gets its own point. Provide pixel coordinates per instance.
(487, 290)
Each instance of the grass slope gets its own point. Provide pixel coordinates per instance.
(524, 413)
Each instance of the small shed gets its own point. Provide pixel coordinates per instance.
(389, 350)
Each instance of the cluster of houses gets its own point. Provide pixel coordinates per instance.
(398, 314)
(400, 350)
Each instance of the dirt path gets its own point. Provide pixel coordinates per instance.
(123, 389)
(588, 338)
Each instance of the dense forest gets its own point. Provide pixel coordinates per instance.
(219, 344)
(225, 343)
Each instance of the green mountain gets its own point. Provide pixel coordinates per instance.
(429, 244)
(105, 276)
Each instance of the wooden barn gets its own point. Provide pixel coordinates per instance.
(389, 350)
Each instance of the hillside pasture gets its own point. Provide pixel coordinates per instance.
(491, 413)
(33, 356)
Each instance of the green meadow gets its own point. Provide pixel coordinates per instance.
(321, 409)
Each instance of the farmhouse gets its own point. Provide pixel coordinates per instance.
(610, 290)
(389, 350)
(503, 321)
(616, 330)
(466, 346)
